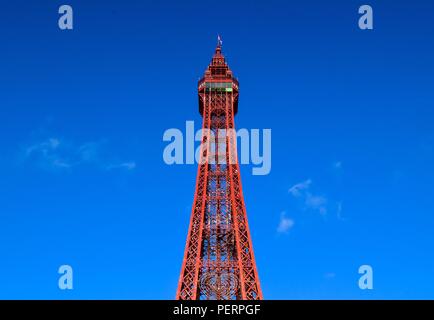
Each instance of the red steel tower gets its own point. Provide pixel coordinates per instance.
(218, 261)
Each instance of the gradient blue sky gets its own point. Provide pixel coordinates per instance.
(82, 114)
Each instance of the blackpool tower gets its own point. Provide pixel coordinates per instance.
(218, 263)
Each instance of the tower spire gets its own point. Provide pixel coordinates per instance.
(219, 41)
(219, 44)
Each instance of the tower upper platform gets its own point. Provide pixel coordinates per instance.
(218, 77)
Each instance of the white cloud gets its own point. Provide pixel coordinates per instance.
(285, 223)
(310, 200)
(337, 165)
(339, 211)
(44, 147)
(89, 152)
(329, 275)
(315, 202)
(60, 154)
(48, 153)
(297, 189)
(125, 165)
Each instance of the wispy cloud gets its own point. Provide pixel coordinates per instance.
(56, 153)
(124, 165)
(285, 223)
(49, 153)
(315, 202)
(337, 165)
(339, 211)
(310, 200)
(298, 189)
(329, 275)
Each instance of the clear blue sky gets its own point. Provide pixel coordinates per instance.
(82, 115)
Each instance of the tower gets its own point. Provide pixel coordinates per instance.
(218, 261)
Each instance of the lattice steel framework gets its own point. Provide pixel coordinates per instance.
(218, 263)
